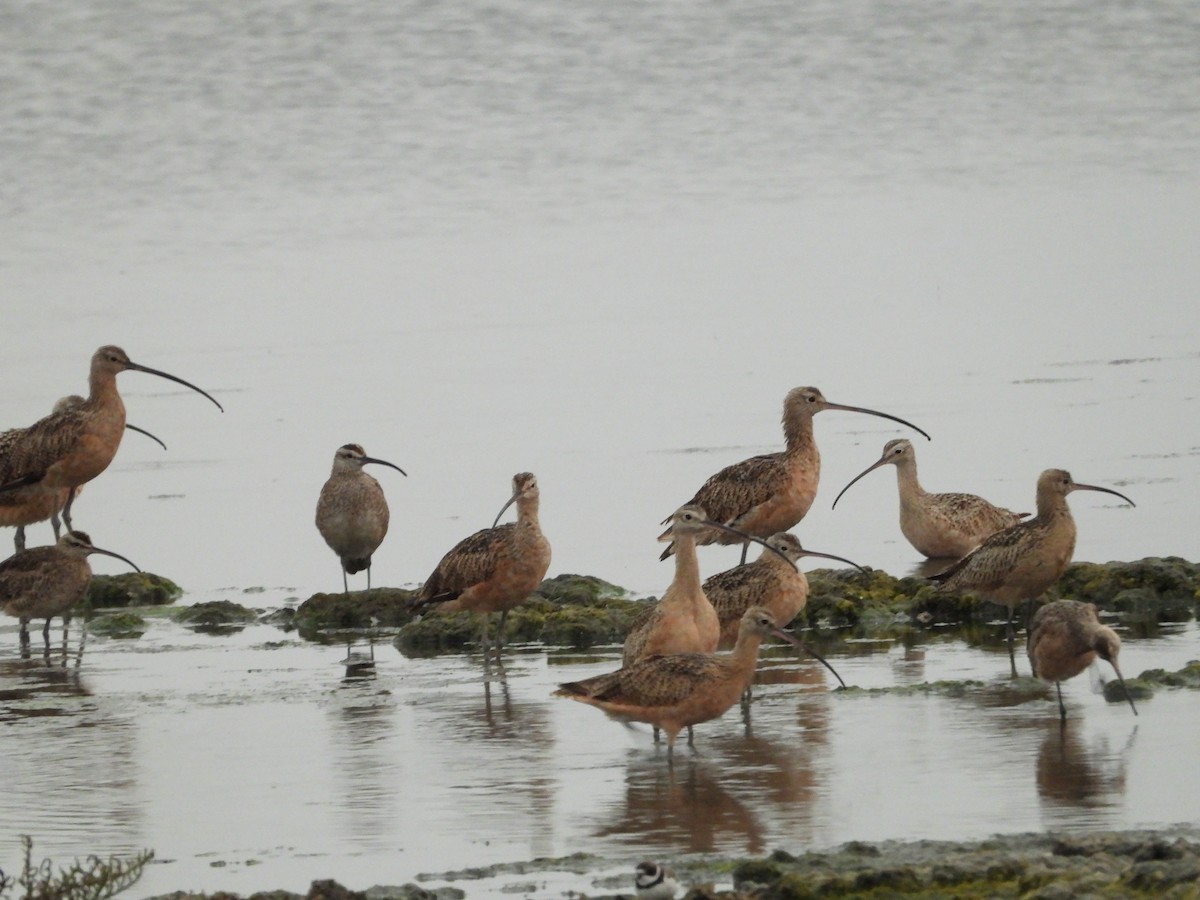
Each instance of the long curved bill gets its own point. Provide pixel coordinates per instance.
(1091, 487)
(116, 556)
(509, 502)
(384, 462)
(140, 368)
(795, 641)
(146, 433)
(874, 412)
(848, 562)
(1125, 687)
(868, 470)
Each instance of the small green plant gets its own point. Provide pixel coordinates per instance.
(92, 879)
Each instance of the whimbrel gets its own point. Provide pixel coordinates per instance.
(352, 513)
(45, 582)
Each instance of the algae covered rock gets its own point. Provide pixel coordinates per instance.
(118, 625)
(384, 607)
(129, 589)
(574, 589)
(219, 616)
(1151, 589)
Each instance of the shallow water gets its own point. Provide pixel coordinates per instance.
(599, 244)
(250, 761)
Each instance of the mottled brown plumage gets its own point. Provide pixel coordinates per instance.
(45, 582)
(352, 513)
(1020, 562)
(28, 505)
(937, 525)
(69, 448)
(680, 690)
(773, 582)
(496, 569)
(767, 494)
(1065, 637)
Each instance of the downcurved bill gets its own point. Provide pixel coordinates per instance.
(1076, 486)
(831, 556)
(146, 433)
(795, 641)
(873, 412)
(871, 468)
(150, 371)
(384, 462)
(507, 503)
(116, 556)
(1125, 688)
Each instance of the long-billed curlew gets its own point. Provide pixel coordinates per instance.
(774, 582)
(496, 569)
(684, 620)
(682, 689)
(29, 505)
(937, 525)
(654, 881)
(766, 494)
(68, 449)
(352, 513)
(48, 581)
(1019, 563)
(1065, 637)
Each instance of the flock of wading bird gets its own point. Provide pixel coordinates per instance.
(672, 676)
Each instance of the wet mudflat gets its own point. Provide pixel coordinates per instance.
(251, 761)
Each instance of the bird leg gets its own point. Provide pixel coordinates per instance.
(1062, 710)
(66, 510)
(345, 582)
(24, 631)
(745, 550)
(1008, 632)
(19, 537)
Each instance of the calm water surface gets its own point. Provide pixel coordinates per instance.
(598, 243)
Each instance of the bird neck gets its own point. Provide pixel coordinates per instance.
(906, 478)
(798, 430)
(744, 656)
(527, 513)
(102, 391)
(1052, 505)
(687, 565)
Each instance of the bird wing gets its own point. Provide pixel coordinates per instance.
(30, 451)
(726, 590)
(23, 572)
(969, 510)
(736, 490)
(662, 680)
(985, 567)
(472, 560)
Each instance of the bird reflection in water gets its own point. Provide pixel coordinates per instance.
(38, 676)
(1076, 774)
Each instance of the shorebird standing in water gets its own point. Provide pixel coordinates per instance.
(352, 513)
(1019, 563)
(937, 525)
(30, 505)
(496, 569)
(770, 493)
(45, 582)
(68, 449)
(1065, 637)
(682, 689)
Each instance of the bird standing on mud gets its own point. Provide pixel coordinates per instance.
(937, 525)
(496, 569)
(1065, 637)
(773, 492)
(45, 582)
(68, 449)
(1019, 563)
(352, 513)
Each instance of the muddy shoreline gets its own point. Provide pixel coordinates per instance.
(1161, 863)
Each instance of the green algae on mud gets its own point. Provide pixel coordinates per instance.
(128, 589)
